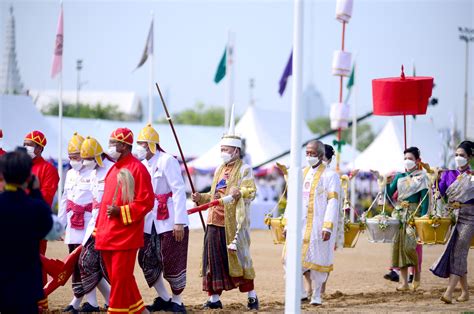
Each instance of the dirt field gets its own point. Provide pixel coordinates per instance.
(356, 285)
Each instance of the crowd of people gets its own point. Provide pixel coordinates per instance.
(117, 207)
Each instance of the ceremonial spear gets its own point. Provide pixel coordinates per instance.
(168, 117)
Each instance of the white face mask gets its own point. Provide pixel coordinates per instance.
(30, 150)
(460, 161)
(76, 165)
(113, 153)
(409, 164)
(89, 164)
(140, 152)
(312, 161)
(226, 157)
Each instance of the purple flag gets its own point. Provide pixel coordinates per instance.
(288, 71)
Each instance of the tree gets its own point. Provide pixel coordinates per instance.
(107, 112)
(200, 115)
(365, 136)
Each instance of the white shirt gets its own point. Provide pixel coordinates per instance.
(97, 188)
(77, 188)
(166, 177)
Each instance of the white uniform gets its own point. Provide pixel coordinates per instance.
(166, 177)
(321, 190)
(77, 189)
(97, 188)
(318, 254)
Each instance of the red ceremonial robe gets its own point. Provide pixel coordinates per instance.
(119, 238)
(48, 178)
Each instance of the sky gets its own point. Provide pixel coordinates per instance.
(190, 37)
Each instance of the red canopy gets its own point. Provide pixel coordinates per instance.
(401, 95)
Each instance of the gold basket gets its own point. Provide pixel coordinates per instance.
(276, 227)
(351, 234)
(433, 231)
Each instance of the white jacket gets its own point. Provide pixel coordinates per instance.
(166, 177)
(77, 188)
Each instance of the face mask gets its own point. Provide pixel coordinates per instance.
(76, 165)
(460, 161)
(113, 153)
(30, 150)
(1, 143)
(312, 161)
(409, 164)
(226, 157)
(140, 152)
(89, 164)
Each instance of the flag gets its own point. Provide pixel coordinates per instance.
(286, 74)
(350, 83)
(58, 48)
(221, 68)
(148, 47)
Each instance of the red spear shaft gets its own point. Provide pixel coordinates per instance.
(168, 117)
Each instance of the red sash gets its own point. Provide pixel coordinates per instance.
(77, 219)
(162, 212)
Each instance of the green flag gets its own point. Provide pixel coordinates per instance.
(350, 83)
(220, 73)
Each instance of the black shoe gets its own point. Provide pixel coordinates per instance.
(252, 304)
(212, 305)
(70, 309)
(159, 305)
(410, 279)
(176, 308)
(392, 276)
(88, 308)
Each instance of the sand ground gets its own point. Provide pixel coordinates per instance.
(355, 285)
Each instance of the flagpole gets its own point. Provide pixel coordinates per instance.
(60, 156)
(229, 78)
(293, 235)
(354, 139)
(150, 81)
(60, 111)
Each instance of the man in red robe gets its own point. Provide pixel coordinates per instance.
(128, 197)
(2, 152)
(48, 178)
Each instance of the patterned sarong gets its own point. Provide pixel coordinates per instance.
(162, 253)
(91, 266)
(215, 262)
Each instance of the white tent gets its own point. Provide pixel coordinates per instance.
(267, 134)
(18, 116)
(192, 137)
(385, 153)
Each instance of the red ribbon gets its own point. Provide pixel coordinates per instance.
(162, 212)
(77, 218)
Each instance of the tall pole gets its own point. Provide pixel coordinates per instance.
(150, 79)
(229, 76)
(354, 140)
(466, 79)
(466, 35)
(60, 152)
(294, 210)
